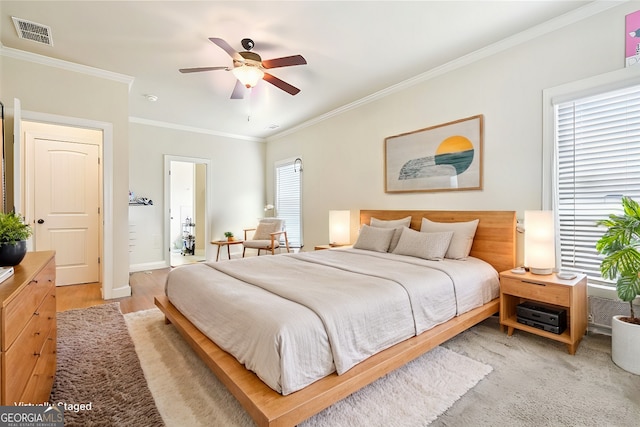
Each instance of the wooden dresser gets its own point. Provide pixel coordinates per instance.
(28, 330)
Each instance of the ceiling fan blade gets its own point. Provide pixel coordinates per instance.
(281, 84)
(285, 61)
(197, 70)
(225, 46)
(238, 91)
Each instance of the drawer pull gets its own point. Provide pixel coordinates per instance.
(534, 283)
(37, 333)
(35, 313)
(36, 354)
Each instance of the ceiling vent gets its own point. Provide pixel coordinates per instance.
(32, 31)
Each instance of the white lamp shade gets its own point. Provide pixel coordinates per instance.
(248, 75)
(340, 227)
(539, 242)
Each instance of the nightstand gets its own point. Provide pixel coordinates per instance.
(321, 247)
(570, 295)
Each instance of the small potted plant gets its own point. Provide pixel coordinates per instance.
(229, 236)
(620, 245)
(13, 239)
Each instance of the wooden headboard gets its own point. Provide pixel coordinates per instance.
(495, 239)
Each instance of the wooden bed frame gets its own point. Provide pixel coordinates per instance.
(494, 242)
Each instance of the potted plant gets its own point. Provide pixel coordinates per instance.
(13, 239)
(620, 245)
(229, 236)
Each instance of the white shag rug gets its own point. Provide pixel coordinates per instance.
(187, 393)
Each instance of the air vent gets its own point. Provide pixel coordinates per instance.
(32, 31)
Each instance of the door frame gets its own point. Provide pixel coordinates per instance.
(107, 247)
(168, 158)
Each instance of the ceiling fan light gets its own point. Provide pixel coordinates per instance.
(248, 75)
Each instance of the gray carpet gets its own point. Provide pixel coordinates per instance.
(535, 382)
(97, 365)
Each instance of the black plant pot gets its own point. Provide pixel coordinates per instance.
(11, 255)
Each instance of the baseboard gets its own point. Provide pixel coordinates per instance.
(133, 268)
(121, 292)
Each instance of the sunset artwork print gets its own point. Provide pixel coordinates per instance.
(632, 39)
(446, 157)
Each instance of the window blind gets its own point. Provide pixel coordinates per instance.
(597, 162)
(288, 200)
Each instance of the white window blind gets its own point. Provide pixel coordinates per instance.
(289, 200)
(597, 162)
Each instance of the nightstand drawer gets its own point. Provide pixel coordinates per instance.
(538, 291)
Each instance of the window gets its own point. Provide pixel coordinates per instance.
(288, 204)
(597, 161)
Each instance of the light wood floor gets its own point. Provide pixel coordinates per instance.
(145, 285)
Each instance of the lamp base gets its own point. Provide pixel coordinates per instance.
(541, 271)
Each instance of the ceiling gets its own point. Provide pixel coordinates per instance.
(353, 50)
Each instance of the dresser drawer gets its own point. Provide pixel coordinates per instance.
(538, 291)
(39, 385)
(28, 348)
(19, 311)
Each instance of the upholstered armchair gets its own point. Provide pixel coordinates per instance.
(266, 236)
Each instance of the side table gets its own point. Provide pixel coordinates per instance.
(322, 247)
(221, 243)
(570, 295)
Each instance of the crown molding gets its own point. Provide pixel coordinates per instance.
(65, 65)
(554, 24)
(193, 129)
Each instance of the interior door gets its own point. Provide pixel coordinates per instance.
(66, 202)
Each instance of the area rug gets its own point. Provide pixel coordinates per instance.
(187, 393)
(99, 381)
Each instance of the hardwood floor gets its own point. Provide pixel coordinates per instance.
(145, 285)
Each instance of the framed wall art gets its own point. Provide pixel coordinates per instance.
(632, 39)
(446, 157)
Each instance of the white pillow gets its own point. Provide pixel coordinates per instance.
(431, 246)
(397, 224)
(374, 238)
(391, 223)
(463, 233)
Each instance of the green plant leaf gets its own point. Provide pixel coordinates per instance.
(13, 229)
(620, 244)
(628, 287)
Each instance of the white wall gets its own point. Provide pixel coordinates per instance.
(236, 182)
(53, 90)
(343, 155)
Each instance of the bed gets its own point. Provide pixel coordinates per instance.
(290, 386)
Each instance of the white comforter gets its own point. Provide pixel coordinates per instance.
(295, 318)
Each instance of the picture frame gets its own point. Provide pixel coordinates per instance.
(445, 157)
(632, 39)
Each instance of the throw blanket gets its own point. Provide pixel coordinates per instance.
(365, 304)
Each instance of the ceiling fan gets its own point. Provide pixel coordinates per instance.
(249, 68)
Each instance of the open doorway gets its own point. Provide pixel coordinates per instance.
(187, 210)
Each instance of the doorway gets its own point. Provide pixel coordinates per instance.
(63, 197)
(186, 200)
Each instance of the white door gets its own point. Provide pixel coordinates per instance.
(65, 207)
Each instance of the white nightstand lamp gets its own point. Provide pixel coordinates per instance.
(339, 228)
(539, 242)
